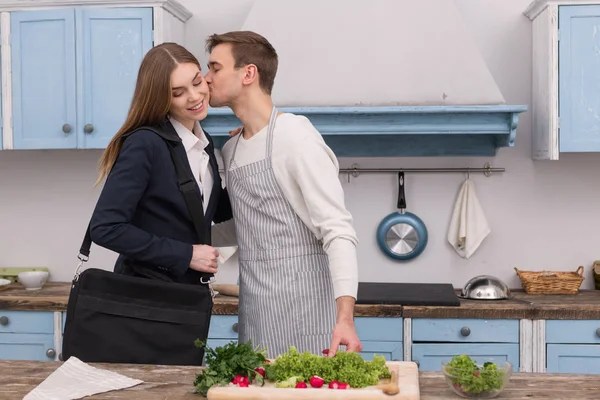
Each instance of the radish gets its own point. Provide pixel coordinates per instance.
(325, 351)
(317, 381)
(343, 385)
(334, 384)
(261, 371)
(301, 385)
(243, 384)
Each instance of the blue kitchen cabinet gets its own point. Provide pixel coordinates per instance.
(27, 335)
(438, 340)
(579, 78)
(566, 84)
(573, 347)
(114, 44)
(44, 79)
(74, 73)
(380, 336)
(223, 329)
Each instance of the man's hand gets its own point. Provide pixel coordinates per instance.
(344, 332)
(236, 131)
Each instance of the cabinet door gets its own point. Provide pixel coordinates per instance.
(25, 346)
(44, 78)
(431, 355)
(392, 351)
(114, 42)
(579, 78)
(573, 358)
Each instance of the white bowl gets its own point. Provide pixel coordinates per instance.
(4, 284)
(33, 280)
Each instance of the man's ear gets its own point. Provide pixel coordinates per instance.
(250, 74)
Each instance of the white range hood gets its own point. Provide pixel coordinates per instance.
(406, 73)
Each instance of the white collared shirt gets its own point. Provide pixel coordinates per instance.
(195, 144)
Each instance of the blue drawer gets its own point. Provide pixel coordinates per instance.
(466, 330)
(26, 322)
(573, 358)
(386, 329)
(26, 346)
(564, 331)
(431, 355)
(223, 327)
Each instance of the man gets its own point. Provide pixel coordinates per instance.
(297, 245)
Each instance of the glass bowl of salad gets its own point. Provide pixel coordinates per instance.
(484, 379)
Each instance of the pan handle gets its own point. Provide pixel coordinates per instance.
(401, 195)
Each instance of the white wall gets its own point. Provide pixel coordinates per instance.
(543, 215)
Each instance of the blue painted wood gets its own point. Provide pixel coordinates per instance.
(112, 46)
(27, 322)
(565, 331)
(479, 330)
(43, 67)
(398, 131)
(392, 351)
(579, 60)
(431, 355)
(379, 329)
(573, 359)
(20, 346)
(222, 327)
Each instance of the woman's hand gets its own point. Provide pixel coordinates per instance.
(204, 258)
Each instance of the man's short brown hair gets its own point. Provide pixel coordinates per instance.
(249, 47)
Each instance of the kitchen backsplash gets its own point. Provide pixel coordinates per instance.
(543, 215)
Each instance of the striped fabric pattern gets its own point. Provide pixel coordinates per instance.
(286, 294)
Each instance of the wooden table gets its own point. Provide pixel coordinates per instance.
(17, 378)
(584, 305)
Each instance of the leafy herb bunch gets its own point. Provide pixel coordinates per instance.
(226, 362)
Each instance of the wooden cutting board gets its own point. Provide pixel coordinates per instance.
(408, 381)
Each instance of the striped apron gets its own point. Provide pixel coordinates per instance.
(286, 294)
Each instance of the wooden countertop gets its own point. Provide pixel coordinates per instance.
(173, 382)
(584, 305)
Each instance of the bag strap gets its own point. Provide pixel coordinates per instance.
(187, 185)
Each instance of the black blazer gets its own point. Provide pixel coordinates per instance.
(141, 213)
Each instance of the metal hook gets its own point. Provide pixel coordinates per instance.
(488, 169)
(468, 174)
(354, 171)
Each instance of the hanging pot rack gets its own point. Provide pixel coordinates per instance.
(355, 170)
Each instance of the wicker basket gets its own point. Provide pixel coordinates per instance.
(551, 282)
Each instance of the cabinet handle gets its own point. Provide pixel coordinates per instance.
(3, 321)
(235, 327)
(50, 353)
(465, 331)
(88, 128)
(66, 128)
(597, 330)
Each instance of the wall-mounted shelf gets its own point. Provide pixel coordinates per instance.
(382, 131)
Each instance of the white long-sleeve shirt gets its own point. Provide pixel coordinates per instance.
(195, 144)
(307, 171)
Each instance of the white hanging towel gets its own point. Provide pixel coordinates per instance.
(468, 225)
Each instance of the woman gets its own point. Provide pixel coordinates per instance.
(144, 213)
(141, 213)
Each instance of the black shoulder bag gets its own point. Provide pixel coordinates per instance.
(117, 318)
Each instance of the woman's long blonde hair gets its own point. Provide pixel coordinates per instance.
(152, 97)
